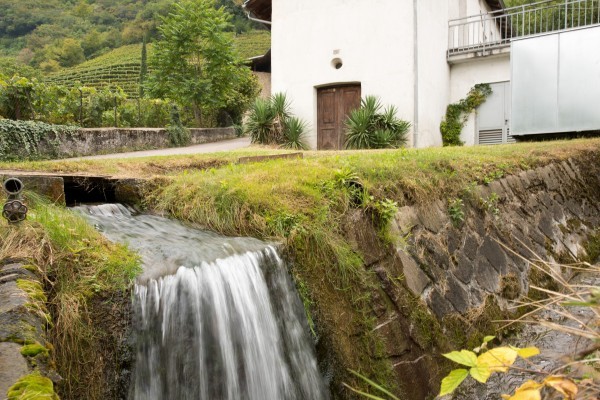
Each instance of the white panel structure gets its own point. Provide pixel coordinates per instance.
(556, 83)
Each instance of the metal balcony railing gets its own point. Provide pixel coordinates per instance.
(496, 29)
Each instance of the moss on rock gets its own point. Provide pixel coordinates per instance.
(34, 349)
(32, 386)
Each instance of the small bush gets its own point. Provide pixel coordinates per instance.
(368, 127)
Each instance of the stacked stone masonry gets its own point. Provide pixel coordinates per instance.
(548, 212)
(20, 325)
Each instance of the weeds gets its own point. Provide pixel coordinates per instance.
(490, 204)
(456, 211)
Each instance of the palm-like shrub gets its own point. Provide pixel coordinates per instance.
(271, 122)
(373, 127)
(294, 134)
(260, 122)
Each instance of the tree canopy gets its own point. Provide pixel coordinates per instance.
(195, 61)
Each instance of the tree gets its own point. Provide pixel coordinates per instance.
(194, 61)
(143, 66)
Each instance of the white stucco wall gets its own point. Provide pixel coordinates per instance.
(464, 76)
(434, 71)
(375, 41)
(376, 50)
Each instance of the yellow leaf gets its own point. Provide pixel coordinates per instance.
(498, 359)
(530, 390)
(527, 352)
(564, 386)
(480, 374)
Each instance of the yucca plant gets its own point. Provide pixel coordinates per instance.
(281, 112)
(271, 122)
(294, 134)
(369, 128)
(260, 122)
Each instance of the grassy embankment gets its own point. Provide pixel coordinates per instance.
(77, 266)
(302, 203)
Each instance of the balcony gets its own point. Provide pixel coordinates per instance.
(492, 33)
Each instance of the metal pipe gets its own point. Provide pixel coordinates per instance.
(416, 74)
(262, 21)
(14, 209)
(13, 186)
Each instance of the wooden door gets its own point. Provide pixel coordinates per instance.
(333, 106)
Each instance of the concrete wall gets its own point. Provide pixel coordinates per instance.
(264, 80)
(115, 140)
(376, 42)
(465, 75)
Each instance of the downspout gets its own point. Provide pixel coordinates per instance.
(416, 74)
(262, 21)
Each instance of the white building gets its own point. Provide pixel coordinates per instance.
(419, 55)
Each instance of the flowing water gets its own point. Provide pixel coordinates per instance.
(216, 318)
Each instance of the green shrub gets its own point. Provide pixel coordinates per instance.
(368, 127)
(294, 133)
(271, 122)
(260, 122)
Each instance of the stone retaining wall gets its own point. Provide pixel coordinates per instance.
(92, 141)
(445, 281)
(24, 356)
(455, 265)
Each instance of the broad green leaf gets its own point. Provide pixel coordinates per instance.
(562, 385)
(481, 373)
(452, 381)
(498, 359)
(464, 357)
(527, 352)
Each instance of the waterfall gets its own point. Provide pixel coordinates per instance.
(215, 317)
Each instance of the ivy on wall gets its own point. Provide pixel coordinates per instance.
(458, 113)
(20, 140)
